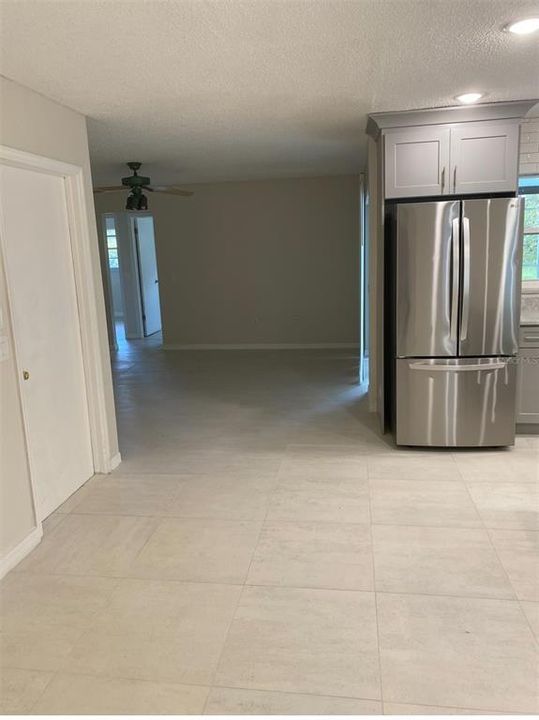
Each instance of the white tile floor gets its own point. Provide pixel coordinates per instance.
(262, 550)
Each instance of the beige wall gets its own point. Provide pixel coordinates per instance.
(35, 124)
(265, 262)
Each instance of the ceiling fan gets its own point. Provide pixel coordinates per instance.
(135, 183)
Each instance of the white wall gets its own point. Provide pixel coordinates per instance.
(262, 262)
(35, 124)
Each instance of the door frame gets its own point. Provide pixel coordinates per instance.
(86, 294)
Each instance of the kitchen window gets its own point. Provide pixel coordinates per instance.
(529, 189)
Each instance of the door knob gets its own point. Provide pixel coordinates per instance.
(26, 374)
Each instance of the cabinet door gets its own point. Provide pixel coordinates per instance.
(484, 157)
(417, 162)
(528, 386)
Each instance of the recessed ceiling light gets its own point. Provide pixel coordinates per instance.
(524, 27)
(469, 98)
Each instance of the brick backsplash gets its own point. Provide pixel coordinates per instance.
(529, 147)
(529, 312)
(529, 165)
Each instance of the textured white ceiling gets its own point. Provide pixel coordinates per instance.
(236, 89)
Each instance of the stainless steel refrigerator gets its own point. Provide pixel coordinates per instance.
(457, 283)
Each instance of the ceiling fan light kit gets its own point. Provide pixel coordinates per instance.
(135, 183)
(136, 201)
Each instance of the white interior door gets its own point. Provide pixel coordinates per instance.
(149, 281)
(47, 333)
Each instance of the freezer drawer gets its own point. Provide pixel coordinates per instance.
(464, 402)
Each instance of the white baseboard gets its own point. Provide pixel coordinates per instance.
(20, 551)
(115, 461)
(263, 346)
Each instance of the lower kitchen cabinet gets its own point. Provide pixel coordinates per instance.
(528, 377)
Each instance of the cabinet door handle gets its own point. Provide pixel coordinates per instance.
(455, 179)
(443, 178)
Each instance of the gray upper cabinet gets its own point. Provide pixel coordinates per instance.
(456, 159)
(416, 161)
(484, 157)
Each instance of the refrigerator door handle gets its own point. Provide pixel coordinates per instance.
(459, 368)
(455, 262)
(465, 278)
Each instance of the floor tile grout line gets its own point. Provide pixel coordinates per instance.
(190, 581)
(216, 518)
(82, 633)
(92, 617)
(49, 681)
(479, 711)
(495, 551)
(98, 676)
(240, 594)
(295, 692)
(379, 648)
(535, 637)
(101, 676)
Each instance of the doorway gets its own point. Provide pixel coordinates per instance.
(134, 302)
(147, 272)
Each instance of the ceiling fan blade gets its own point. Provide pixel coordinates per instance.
(110, 188)
(170, 190)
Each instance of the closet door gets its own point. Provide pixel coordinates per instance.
(46, 327)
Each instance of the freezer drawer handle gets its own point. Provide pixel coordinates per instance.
(458, 368)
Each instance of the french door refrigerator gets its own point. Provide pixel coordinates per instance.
(457, 273)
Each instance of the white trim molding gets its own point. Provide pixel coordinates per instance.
(87, 295)
(262, 346)
(14, 556)
(376, 122)
(115, 461)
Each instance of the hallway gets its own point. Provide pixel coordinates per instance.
(261, 550)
